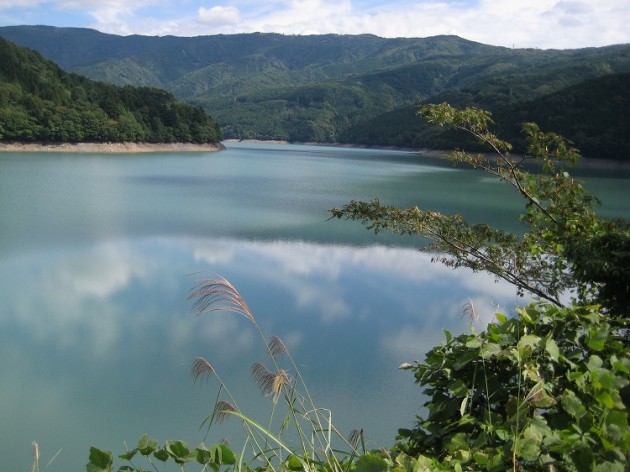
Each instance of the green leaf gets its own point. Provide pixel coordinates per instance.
(458, 387)
(611, 467)
(542, 399)
(473, 343)
(458, 442)
(573, 406)
(527, 344)
(161, 454)
(552, 349)
(371, 463)
(594, 362)
(146, 445)
(502, 434)
(294, 463)
(202, 454)
(529, 449)
(605, 399)
(501, 318)
(100, 461)
(128, 455)
(617, 418)
(597, 337)
(425, 464)
(178, 450)
(489, 350)
(621, 365)
(221, 454)
(464, 359)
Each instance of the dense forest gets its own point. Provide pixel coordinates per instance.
(358, 89)
(41, 102)
(593, 114)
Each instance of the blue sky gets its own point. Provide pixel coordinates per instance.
(511, 23)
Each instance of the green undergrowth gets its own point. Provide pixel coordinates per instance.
(546, 389)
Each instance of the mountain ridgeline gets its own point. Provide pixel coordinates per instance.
(41, 102)
(360, 89)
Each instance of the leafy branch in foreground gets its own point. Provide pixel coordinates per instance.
(546, 389)
(550, 260)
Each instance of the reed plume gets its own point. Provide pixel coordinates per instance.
(276, 347)
(218, 295)
(271, 383)
(201, 369)
(313, 425)
(222, 410)
(470, 312)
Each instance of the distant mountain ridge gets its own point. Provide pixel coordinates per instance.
(323, 88)
(172, 57)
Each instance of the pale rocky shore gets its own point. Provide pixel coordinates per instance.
(130, 147)
(127, 147)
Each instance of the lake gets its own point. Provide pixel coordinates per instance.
(98, 254)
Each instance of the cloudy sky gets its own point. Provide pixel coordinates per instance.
(511, 23)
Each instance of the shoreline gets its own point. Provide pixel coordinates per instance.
(133, 148)
(584, 163)
(124, 147)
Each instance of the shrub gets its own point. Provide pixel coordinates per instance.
(544, 390)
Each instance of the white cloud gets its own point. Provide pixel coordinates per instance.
(221, 252)
(106, 271)
(295, 265)
(220, 15)
(536, 23)
(20, 3)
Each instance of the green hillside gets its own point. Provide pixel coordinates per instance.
(592, 114)
(41, 102)
(331, 88)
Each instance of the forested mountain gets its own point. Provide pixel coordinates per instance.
(593, 114)
(337, 88)
(41, 102)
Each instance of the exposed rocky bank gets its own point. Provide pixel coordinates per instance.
(126, 147)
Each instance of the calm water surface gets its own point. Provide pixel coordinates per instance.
(96, 252)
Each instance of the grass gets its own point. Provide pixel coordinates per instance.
(304, 432)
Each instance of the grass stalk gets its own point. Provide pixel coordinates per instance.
(217, 294)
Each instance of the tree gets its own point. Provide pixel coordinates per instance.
(40, 102)
(547, 388)
(550, 259)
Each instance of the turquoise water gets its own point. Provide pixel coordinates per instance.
(96, 257)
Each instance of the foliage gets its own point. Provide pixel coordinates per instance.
(548, 388)
(356, 89)
(544, 390)
(559, 217)
(40, 102)
(210, 457)
(592, 114)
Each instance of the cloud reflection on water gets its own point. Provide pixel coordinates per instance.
(109, 325)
